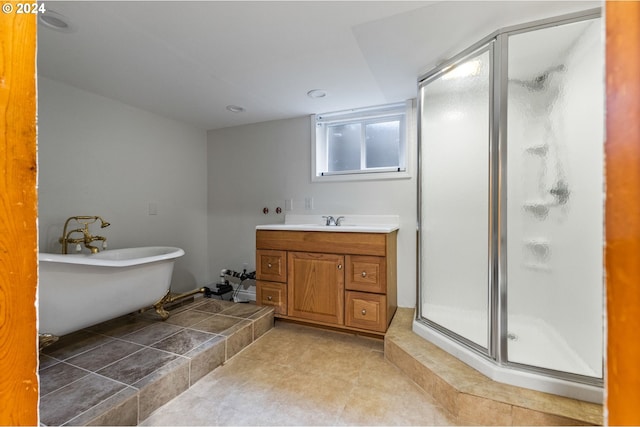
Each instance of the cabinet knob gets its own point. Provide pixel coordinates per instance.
(364, 311)
(269, 265)
(364, 274)
(269, 297)
(339, 266)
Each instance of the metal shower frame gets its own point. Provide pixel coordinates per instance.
(497, 45)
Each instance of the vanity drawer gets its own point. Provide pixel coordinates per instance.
(271, 265)
(366, 311)
(272, 294)
(366, 274)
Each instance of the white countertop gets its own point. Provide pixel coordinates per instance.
(350, 224)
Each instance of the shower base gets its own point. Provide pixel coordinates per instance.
(471, 397)
(532, 341)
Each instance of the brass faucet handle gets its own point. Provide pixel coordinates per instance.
(85, 221)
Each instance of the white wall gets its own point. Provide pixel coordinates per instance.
(261, 165)
(98, 156)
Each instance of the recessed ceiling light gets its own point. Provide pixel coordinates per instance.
(317, 93)
(55, 21)
(235, 109)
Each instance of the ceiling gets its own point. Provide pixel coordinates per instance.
(189, 60)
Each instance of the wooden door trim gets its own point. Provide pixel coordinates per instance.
(18, 220)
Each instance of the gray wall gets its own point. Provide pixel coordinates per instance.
(98, 156)
(262, 165)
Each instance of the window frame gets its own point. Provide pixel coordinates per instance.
(376, 114)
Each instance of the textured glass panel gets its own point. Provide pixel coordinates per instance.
(554, 200)
(382, 144)
(454, 155)
(344, 147)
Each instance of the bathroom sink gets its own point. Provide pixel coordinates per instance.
(369, 228)
(350, 223)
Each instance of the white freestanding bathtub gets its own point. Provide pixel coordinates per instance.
(80, 290)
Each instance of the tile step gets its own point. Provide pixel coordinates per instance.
(469, 396)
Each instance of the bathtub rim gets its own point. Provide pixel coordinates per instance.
(146, 255)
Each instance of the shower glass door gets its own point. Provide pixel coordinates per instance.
(554, 198)
(454, 197)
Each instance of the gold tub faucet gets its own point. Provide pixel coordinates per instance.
(86, 238)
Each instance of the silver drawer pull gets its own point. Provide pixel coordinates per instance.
(339, 266)
(269, 265)
(269, 297)
(364, 274)
(364, 312)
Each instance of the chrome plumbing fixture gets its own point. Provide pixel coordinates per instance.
(333, 221)
(561, 192)
(86, 238)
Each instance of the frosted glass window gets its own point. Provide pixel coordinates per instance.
(454, 153)
(344, 147)
(382, 142)
(362, 141)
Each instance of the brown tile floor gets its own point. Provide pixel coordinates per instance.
(298, 375)
(122, 370)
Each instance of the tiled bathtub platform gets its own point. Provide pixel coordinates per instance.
(120, 371)
(470, 397)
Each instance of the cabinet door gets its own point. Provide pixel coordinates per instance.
(273, 294)
(366, 311)
(271, 265)
(316, 287)
(366, 274)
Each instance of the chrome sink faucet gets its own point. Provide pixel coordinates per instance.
(333, 221)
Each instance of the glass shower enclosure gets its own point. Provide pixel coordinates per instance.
(511, 198)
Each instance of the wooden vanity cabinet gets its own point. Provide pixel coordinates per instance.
(339, 279)
(272, 265)
(316, 287)
(366, 296)
(273, 294)
(271, 283)
(366, 311)
(366, 273)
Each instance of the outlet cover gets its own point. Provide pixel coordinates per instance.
(308, 203)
